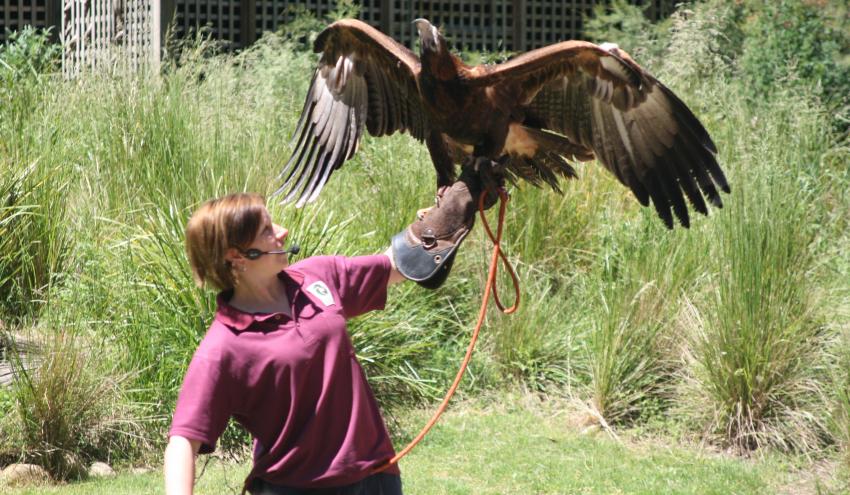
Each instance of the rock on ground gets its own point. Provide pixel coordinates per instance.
(24, 474)
(100, 469)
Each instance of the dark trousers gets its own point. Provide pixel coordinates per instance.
(376, 484)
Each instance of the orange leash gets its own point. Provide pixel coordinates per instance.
(491, 285)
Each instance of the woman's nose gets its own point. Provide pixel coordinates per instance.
(280, 233)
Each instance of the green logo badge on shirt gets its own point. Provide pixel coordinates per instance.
(320, 290)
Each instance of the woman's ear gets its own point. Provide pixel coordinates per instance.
(233, 254)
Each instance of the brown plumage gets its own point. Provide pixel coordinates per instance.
(571, 100)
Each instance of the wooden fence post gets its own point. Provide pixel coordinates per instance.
(519, 25)
(247, 22)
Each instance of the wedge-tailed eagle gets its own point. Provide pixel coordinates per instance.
(573, 100)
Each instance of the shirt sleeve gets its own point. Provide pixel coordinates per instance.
(362, 283)
(204, 404)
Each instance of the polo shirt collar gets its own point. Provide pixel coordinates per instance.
(239, 320)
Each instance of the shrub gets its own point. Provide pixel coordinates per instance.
(28, 53)
(703, 46)
(304, 26)
(796, 42)
(626, 25)
(68, 410)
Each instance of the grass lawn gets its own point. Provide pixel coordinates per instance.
(514, 449)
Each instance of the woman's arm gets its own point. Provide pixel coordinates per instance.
(180, 465)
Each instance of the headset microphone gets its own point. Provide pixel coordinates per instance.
(253, 254)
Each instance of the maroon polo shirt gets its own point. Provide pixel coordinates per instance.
(294, 384)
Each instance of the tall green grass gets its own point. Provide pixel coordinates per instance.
(34, 180)
(632, 302)
(34, 239)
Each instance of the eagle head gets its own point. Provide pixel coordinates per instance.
(430, 39)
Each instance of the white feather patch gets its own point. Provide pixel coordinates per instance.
(615, 67)
(624, 134)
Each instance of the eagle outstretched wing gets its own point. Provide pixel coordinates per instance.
(599, 98)
(363, 77)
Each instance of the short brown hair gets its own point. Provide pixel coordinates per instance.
(219, 224)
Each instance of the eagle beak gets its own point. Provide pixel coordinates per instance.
(428, 34)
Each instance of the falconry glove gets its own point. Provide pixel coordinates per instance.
(424, 252)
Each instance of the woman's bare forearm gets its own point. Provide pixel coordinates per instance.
(180, 465)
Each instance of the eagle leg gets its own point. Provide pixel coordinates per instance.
(443, 163)
(488, 174)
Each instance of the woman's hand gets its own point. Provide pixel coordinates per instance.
(395, 275)
(180, 465)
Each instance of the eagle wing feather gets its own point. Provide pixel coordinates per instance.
(636, 127)
(364, 79)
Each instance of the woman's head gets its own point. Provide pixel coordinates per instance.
(215, 229)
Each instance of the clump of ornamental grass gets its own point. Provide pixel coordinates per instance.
(621, 346)
(67, 408)
(757, 362)
(34, 181)
(628, 305)
(623, 358)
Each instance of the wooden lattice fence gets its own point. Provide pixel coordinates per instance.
(105, 34)
(513, 25)
(16, 14)
(99, 34)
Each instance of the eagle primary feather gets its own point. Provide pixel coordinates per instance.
(571, 100)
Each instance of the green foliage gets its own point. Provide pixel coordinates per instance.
(305, 26)
(625, 24)
(759, 343)
(631, 302)
(797, 42)
(28, 53)
(535, 345)
(703, 44)
(718, 327)
(34, 241)
(7, 402)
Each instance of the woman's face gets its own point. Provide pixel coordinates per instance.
(270, 237)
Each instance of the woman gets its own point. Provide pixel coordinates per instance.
(278, 359)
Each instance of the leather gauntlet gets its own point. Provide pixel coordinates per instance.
(424, 252)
